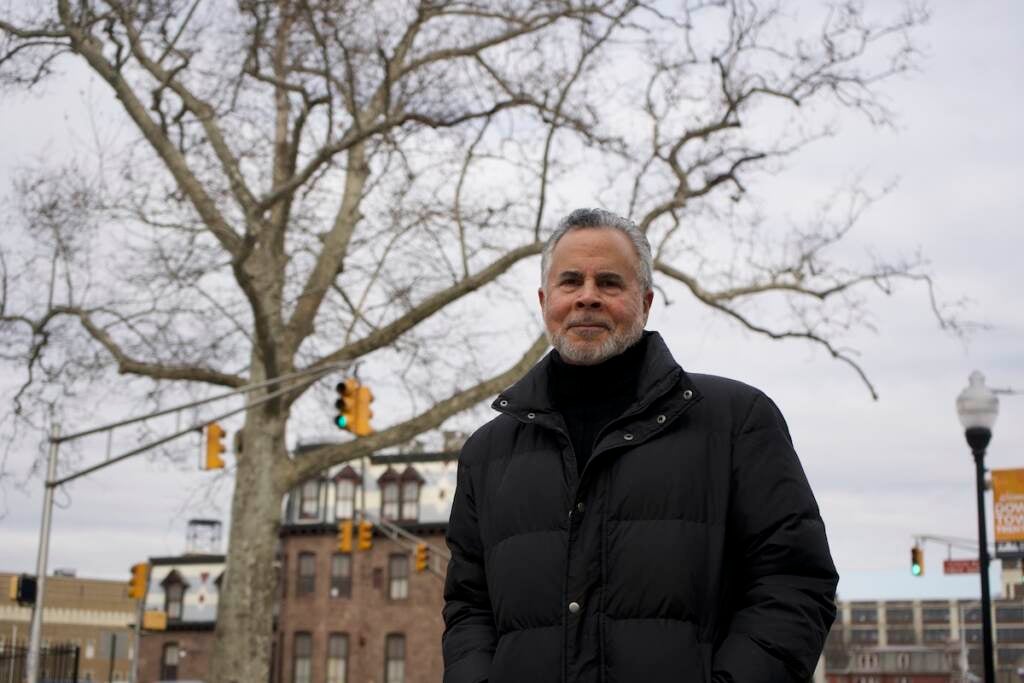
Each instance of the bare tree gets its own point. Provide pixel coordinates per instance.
(315, 181)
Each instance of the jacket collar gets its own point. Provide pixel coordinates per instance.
(659, 373)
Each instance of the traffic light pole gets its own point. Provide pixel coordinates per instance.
(55, 439)
(41, 560)
(139, 613)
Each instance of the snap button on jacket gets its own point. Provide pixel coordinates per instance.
(689, 547)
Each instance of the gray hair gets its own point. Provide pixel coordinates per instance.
(599, 218)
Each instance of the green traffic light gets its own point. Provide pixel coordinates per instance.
(340, 421)
(916, 570)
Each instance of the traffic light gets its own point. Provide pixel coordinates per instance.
(214, 447)
(365, 535)
(421, 557)
(23, 589)
(139, 581)
(345, 536)
(916, 561)
(364, 397)
(346, 403)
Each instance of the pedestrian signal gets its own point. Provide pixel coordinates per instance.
(23, 589)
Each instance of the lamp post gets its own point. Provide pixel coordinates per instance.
(977, 406)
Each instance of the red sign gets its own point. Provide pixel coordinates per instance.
(961, 567)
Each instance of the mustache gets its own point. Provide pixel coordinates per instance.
(589, 321)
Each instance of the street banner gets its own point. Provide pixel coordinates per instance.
(1008, 509)
(968, 566)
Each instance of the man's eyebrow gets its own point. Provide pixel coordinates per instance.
(610, 276)
(566, 274)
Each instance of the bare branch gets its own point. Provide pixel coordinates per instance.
(320, 459)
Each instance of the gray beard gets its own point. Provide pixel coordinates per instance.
(587, 354)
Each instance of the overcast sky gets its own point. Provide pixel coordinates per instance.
(882, 471)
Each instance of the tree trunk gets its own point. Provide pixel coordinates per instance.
(244, 635)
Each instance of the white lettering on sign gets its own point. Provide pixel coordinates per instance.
(961, 566)
(1009, 513)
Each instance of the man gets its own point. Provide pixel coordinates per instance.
(623, 521)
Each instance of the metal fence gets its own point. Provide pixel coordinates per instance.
(57, 664)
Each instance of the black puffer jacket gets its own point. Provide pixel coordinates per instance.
(689, 546)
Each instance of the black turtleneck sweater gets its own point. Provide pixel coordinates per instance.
(591, 396)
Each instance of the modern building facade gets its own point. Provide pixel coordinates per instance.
(95, 615)
(922, 641)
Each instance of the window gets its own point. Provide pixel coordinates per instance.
(1010, 635)
(1009, 656)
(337, 658)
(169, 663)
(90, 649)
(933, 615)
(936, 635)
(378, 578)
(410, 500)
(864, 615)
(309, 505)
(864, 635)
(972, 635)
(341, 575)
(394, 663)
(900, 636)
(1010, 614)
(899, 615)
(306, 583)
(972, 614)
(302, 658)
(389, 506)
(344, 500)
(398, 577)
(174, 596)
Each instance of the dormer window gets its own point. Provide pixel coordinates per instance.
(390, 495)
(345, 493)
(411, 482)
(309, 500)
(174, 595)
(400, 494)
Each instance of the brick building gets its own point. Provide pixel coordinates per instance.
(184, 588)
(364, 616)
(92, 614)
(341, 617)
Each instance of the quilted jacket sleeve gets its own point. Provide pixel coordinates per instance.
(470, 635)
(783, 597)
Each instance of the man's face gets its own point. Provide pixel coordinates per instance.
(592, 301)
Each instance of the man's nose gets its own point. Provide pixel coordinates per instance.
(588, 297)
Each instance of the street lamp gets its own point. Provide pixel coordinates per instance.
(977, 406)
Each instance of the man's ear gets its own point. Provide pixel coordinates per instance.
(648, 300)
(540, 298)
